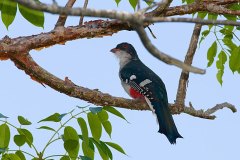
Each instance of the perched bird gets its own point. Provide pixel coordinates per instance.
(140, 82)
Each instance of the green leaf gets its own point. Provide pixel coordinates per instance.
(85, 158)
(65, 158)
(8, 13)
(189, 1)
(2, 116)
(234, 59)
(202, 15)
(101, 149)
(219, 76)
(19, 140)
(52, 118)
(107, 150)
(95, 125)
(27, 134)
(83, 125)
(4, 136)
(230, 17)
(23, 121)
(114, 111)
(62, 115)
(133, 3)
(47, 128)
(32, 16)
(10, 156)
(1, 5)
(212, 16)
(71, 142)
(234, 6)
(229, 43)
(117, 1)
(108, 127)
(95, 110)
(87, 151)
(71, 145)
(20, 155)
(149, 2)
(212, 51)
(222, 58)
(115, 146)
(229, 29)
(103, 116)
(205, 33)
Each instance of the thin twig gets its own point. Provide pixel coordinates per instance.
(221, 106)
(183, 80)
(62, 18)
(81, 18)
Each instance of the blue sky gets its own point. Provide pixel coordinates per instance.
(88, 63)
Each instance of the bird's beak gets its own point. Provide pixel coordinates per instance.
(114, 50)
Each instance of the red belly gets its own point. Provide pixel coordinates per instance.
(134, 94)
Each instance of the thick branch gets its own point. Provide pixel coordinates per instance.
(26, 63)
(182, 85)
(162, 7)
(91, 29)
(197, 7)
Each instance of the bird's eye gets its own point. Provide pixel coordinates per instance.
(125, 46)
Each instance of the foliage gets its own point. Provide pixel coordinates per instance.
(9, 9)
(134, 3)
(226, 46)
(77, 145)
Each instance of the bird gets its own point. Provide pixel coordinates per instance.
(140, 82)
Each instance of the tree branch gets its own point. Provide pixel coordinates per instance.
(62, 18)
(84, 7)
(162, 56)
(183, 80)
(197, 7)
(91, 29)
(25, 62)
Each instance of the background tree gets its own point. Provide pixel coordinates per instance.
(224, 46)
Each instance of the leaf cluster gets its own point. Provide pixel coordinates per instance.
(9, 9)
(88, 141)
(226, 46)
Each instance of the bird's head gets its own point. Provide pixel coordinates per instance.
(125, 51)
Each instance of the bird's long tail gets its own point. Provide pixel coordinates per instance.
(166, 122)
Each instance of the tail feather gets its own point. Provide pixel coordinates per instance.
(166, 123)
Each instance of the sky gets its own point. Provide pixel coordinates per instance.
(88, 63)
